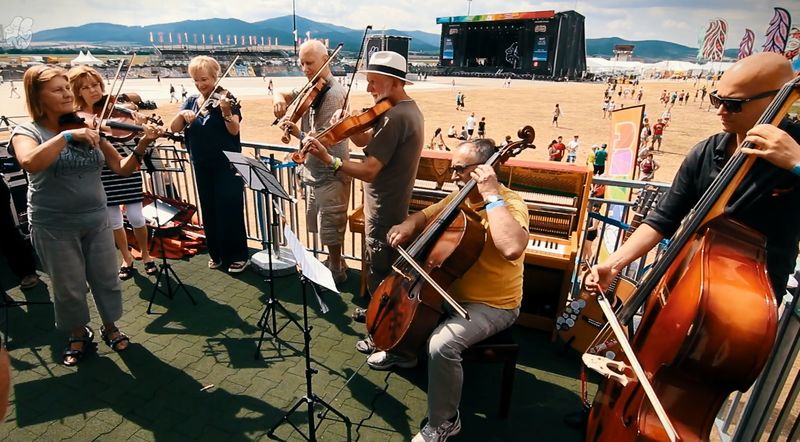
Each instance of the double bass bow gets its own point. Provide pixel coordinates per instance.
(408, 304)
(709, 321)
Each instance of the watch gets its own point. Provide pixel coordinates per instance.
(493, 199)
(796, 169)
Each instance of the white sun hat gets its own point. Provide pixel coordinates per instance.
(387, 63)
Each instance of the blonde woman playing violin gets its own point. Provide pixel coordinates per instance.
(210, 130)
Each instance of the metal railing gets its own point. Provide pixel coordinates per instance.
(761, 419)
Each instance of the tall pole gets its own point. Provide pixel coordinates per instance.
(294, 28)
(469, 4)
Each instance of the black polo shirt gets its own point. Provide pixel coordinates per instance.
(768, 201)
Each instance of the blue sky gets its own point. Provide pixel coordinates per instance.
(679, 21)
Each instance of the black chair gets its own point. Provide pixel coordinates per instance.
(497, 349)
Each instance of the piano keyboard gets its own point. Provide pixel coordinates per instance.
(546, 247)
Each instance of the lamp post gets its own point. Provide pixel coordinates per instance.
(294, 28)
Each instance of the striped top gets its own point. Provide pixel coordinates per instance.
(122, 189)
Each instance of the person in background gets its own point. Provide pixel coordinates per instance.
(13, 245)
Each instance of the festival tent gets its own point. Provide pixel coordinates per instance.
(601, 65)
(86, 58)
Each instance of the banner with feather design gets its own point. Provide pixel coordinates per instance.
(746, 46)
(777, 32)
(714, 43)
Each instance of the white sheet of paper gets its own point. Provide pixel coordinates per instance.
(311, 267)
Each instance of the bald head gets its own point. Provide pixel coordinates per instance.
(747, 78)
(764, 71)
(313, 55)
(313, 47)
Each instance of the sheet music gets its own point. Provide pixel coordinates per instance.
(311, 267)
(161, 211)
(256, 174)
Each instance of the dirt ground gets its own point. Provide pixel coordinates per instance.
(505, 109)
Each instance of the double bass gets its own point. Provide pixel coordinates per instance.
(710, 317)
(408, 304)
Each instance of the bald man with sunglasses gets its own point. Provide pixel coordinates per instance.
(744, 93)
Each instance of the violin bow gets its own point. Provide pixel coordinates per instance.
(313, 79)
(205, 102)
(103, 115)
(615, 369)
(358, 60)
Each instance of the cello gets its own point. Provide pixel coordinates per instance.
(709, 322)
(408, 304)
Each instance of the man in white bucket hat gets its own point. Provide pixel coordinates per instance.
(393, 147)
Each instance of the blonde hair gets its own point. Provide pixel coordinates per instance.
(33, 81)
(204, 63)
(78, 77)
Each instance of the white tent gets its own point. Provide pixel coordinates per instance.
(601, 65)
(86, 58)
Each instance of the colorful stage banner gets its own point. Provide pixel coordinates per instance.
(777, 32)
(746, 46)
(621, 164)
(533, 15)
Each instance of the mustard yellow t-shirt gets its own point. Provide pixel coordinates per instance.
(492, 280)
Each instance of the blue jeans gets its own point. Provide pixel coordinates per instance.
(447, 342)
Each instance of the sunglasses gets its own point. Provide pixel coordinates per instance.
(460, 169)
(734, 105)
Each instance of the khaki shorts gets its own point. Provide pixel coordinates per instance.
(326, 212)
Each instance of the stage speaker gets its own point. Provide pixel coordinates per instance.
(388, 43)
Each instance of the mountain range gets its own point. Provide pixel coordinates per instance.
(280, 28)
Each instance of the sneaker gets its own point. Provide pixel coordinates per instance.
(365, 346)
(29, 281)
(441, 433)
(382, 360)
(238, 266)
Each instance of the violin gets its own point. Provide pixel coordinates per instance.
(308, 95)
(306, 101)
(408, 304)
(213, 100)
(112, 130)
(347, 127)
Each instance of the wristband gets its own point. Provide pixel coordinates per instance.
(336, 164)
(67, 137)
(495, 204)
(796, 169)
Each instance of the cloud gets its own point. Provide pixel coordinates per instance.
(677, 20)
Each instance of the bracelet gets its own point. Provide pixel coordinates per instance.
(796, 169)
(495, 204)
(67, 137)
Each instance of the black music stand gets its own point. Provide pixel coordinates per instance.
(313, 273)
(260, 179)
(162, 213)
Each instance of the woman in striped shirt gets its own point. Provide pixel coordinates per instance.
(87, 85)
